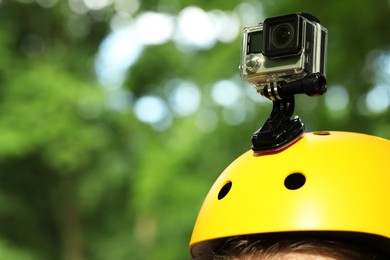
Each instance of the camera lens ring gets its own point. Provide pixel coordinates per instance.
(282, 35)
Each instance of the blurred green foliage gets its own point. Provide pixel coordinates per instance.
(82, 176)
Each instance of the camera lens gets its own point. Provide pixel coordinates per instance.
(282, 35)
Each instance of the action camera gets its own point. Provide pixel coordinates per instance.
(283, 49)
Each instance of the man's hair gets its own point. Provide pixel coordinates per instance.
(249, 247)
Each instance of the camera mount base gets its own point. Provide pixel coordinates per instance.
(280, 130)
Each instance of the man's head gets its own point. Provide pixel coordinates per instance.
(333, 183)
(293, 248)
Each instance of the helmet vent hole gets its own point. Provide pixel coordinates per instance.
(322, 133)
(224, 190)
(294, 181)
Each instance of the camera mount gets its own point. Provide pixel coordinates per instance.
(279, 130)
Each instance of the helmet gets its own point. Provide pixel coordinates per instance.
(326, 182)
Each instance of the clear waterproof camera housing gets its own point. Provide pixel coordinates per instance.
(283, 49)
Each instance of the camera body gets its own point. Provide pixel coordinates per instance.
(283, 49)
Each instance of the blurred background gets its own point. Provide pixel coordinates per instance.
(116, 116)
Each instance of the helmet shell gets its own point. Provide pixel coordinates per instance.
(326, 181)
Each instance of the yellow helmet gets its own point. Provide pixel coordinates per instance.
(330, 182)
